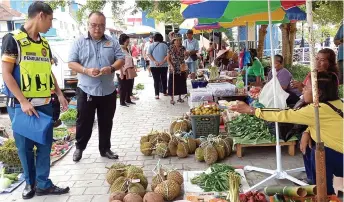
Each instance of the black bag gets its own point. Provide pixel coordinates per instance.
(194, 57)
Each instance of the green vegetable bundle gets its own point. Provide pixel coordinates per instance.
(249, 129)
(69, 115)
(140, 86)
(9, 153)
(216, 180)
(60, 133)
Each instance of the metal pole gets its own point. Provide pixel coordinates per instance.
(274, 75)
(320, 167)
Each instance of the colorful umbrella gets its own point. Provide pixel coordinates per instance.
(292, 14)
(228, 10)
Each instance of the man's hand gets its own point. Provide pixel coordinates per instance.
(28, 108)
(92, 72)
(63, 102)
(156, 63)
(306, 140)
(106, 70)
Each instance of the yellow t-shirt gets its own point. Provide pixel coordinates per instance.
(331, 124)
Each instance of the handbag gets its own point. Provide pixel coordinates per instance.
(32, 127)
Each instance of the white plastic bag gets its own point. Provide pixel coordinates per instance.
(266, 96)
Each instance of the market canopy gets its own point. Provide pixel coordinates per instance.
(209, 11)
(199, 28)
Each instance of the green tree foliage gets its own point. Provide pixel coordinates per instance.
(161, 11)
(327, 12)
(90, 6)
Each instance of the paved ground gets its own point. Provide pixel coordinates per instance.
(87, 177)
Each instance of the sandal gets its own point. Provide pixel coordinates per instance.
(165, 94)
(180, 100)
(157, 97)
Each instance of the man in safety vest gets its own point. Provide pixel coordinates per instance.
(26, 69)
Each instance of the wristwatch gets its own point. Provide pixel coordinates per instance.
(113, 69)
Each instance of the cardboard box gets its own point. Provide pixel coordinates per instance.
(194, 193)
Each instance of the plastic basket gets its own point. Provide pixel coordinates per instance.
(204, 125)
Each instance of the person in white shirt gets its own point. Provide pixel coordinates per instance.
(192, 47)
(145, 54)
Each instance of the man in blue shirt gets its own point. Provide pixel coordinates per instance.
(192, 47)
(338, 40)
(95, 57)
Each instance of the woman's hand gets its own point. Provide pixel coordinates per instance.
(306, 140)
(296, 84)
(242, 107)
(171, 68)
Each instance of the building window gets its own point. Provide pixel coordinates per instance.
(66, 26)
(73, 27)
(61, 24)
(63, 9)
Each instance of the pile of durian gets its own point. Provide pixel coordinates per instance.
(127, 179)
(214, 149)
(167, 183)
(163, 144)
(210, 149)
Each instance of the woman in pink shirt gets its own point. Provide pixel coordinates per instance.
(325, 62)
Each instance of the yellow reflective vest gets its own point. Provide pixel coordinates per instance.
(34, 66)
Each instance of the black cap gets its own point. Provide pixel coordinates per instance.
(189, 31)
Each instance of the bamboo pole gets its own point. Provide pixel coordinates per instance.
(320, 152)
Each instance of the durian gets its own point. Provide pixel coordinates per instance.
(199, 154)
(162, 150)
(112, 175)
(169, 189)
(172, 147)
(191, 145)
(144, 139)
(119, 185)
(141, 177)
(146, 148)
(157, 179)
(175, 176)
(210, 154)
(182, 150)
(137, 188)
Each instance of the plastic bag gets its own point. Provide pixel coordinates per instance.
(266, 96)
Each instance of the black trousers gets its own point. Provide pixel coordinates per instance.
(125, 89)
(159, 76)
(105, 107)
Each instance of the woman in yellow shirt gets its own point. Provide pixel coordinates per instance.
(331, 122)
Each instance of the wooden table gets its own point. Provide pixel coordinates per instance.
(291, 147)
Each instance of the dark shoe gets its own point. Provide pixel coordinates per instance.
(124, 105)
(109, 154)
(131, 102)
(53, 190)
(77, 155)
(28, 192)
